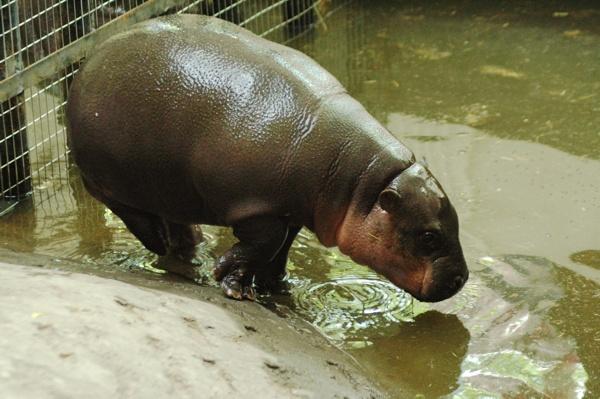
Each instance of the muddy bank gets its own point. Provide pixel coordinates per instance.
(67, 334)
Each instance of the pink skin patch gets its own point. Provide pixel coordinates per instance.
(373, 241)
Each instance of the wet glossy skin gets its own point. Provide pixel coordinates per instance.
(233, 130)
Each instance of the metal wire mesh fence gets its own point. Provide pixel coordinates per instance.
(41, 45)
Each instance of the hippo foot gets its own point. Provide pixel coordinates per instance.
(264, 243)
(272, 284)
(235, 276)
(238, 285)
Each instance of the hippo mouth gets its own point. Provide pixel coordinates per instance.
(428, 284)
(416, 282)
(443, 279)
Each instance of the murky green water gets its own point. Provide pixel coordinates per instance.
(504, 103)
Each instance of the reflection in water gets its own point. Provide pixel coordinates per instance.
(93, 241)
(420, 357)
(576, 315)
(543, 378)
(515, 344)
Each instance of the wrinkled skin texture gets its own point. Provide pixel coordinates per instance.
(188, 120)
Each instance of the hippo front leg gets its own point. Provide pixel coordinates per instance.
(271, 278)
(260, 240)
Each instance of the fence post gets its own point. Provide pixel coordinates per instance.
(15, 176)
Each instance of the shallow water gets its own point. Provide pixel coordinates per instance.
(504, 103)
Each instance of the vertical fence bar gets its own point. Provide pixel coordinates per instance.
(300, 16)
(15, 177)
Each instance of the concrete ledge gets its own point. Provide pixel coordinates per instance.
(66, 334)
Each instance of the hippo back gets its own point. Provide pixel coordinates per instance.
(198, 120)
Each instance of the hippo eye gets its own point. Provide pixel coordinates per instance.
(429, 241)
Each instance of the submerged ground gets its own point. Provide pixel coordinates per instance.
(503, 101)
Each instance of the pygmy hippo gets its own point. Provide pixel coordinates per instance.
(186, 120)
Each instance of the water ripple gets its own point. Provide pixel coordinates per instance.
(344, 308)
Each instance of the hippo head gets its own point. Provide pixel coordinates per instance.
(411, 237)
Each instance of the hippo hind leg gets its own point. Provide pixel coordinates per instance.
(174, 242)
(147, 228)
(182, 239)
(157, 234)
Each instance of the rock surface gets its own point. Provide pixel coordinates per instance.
(66, 334)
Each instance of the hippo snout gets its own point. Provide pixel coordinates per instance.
(448, 276)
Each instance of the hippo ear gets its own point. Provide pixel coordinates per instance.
(390, 201)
